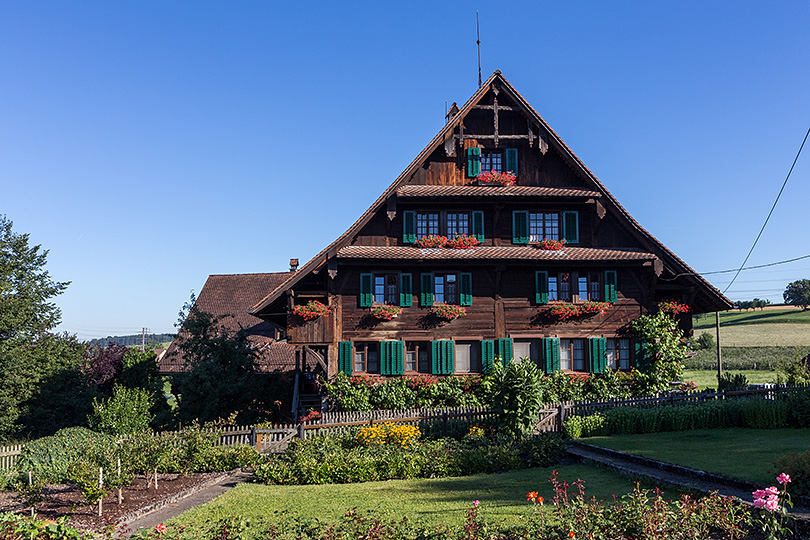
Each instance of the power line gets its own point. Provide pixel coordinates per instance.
(771, 212)
(754, 267)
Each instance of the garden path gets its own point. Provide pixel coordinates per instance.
(147, 520)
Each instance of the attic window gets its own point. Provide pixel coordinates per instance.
(492, 160)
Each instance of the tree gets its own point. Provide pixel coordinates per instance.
(221, 378)
(797, 293)
(29, 354)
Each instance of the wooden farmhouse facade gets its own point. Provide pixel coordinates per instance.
(566, 309)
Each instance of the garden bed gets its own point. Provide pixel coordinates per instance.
(67, 500)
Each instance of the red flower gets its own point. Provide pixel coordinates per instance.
(160, 528)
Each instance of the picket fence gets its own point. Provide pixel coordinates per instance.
(445, 421)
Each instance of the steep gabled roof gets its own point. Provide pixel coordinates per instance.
(678, 267)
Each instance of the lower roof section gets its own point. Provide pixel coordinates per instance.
(514, 253)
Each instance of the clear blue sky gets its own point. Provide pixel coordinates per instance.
(150, 144)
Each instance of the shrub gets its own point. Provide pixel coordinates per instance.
(326, 460)
(515, 392)
(14, 527)
(388, 433)
(126, 412)
(798, 467)
(50, 458)
(576, 427)
(730, 382)
(705, 341)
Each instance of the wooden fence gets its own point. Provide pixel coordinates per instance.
(445, 421)
(8, 456)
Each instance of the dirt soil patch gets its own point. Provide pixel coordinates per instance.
(67, 500)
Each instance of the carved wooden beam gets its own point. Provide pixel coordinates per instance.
(542, 144)
(495, 115)
(332, 265)
(499, 136)
(391, 208)
(500, 107)
(450, 146)
(531, 132)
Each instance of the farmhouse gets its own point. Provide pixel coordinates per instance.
(459, 260)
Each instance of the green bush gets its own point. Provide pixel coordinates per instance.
(577, 427)
(730, 382)
(330, 459)
(514, 392)
(127, 411)
(798, 467)
(14, 527)
(50, 458)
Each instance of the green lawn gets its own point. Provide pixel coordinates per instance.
(441, 501)
(746, 454)
(708, 378)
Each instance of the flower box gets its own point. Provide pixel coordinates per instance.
(311, 311)
(495, 178)
(566, 310)
(386, 313)
(671, 307)
(462, 241)
(431, 241)
(448, 312)
(549, 245)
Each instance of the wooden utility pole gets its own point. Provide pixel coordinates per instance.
(719, 356)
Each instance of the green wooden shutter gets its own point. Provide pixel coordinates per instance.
(465, 298)
(442, 357)
(426, 290)
(611, 294)
(598, 352)
(551, 355)
(473, 162)
(345, 357)
(478, 225)
(399, 357)
(392, 361)
(487, 355)
(505, 350)
(642, 355)
(512, 160)
(541, 287)
(520, 227)
(409, 227)
(449, 357)
(385, 358)
(366, 290)
(571, 227)
(406, 290)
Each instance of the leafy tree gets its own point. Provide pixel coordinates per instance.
(705, 341)
(30, 356)
(221, 377)
(127, 411)
(103, 365)
(797, 293)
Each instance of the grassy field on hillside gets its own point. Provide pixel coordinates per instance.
(786, 315)
(760, 358)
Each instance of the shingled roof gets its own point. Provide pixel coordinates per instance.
(229, 297)
(714, 299)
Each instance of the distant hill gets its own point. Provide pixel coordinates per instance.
(134, 339)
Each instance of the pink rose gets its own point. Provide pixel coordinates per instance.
(760, 494)
(759, 503)
(772, 505)
(772, 491)
(783, 478)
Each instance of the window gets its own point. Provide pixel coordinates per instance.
(491, 160)
(427, 223)
(468, 358)
(527, 348)
(595, 287)
(553, 289)
(582, 287)
(544, 225)
(458, 223)
(417, 356)
(445, 288)
(386, 289)
(366, 358)
(618, 354)
(572, 354)
(565, 287)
